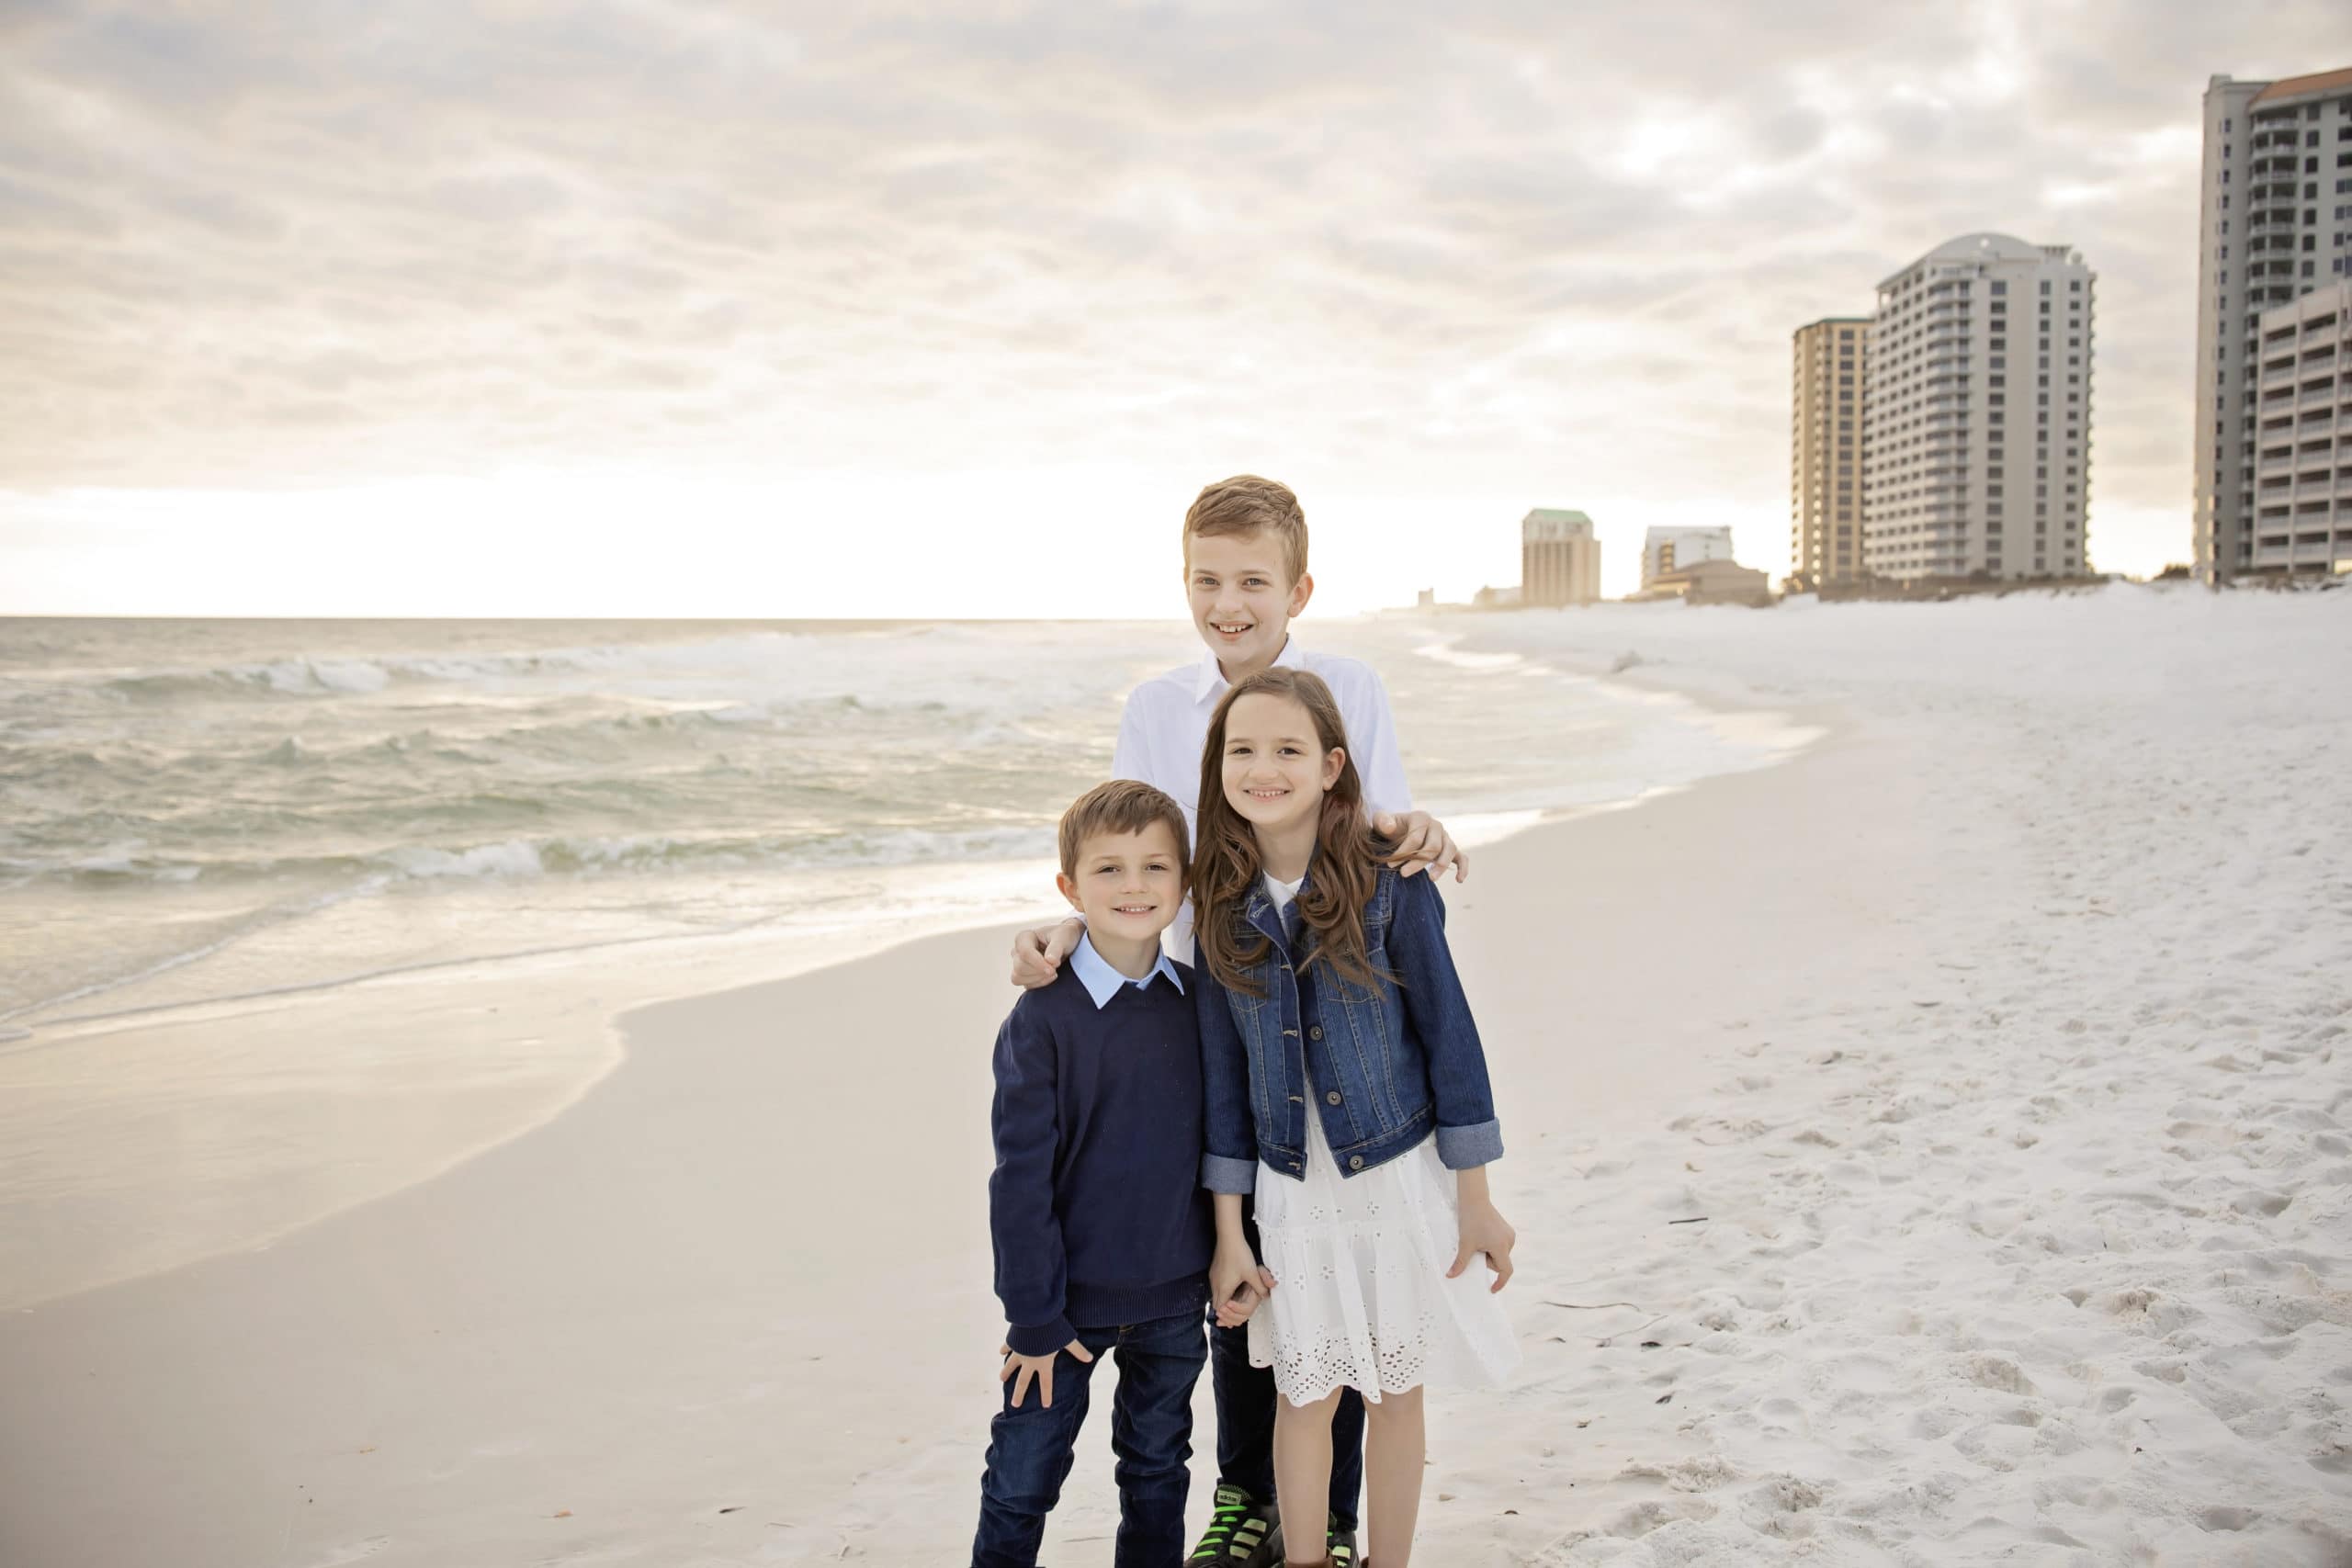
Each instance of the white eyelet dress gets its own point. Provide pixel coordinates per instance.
(1360, 1298)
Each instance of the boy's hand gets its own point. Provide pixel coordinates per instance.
(1423, 844)
(1236, 1283)
(1483, 1229)
(1038, 1367)
(1037, 955)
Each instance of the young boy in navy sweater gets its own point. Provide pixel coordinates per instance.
(1102, 1232)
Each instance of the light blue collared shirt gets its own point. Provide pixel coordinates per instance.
(1103, 982)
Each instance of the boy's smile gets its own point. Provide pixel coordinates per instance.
(1241, 602)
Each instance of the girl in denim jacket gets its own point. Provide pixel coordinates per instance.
(1347, 1094)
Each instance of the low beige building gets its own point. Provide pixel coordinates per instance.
(1709, 583)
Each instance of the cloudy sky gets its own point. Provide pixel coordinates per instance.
(661, 308)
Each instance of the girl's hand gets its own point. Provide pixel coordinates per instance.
(1040, 1368)
(1483, 1229)
(1236, 1283)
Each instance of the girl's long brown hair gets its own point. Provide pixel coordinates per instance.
(1225, 861)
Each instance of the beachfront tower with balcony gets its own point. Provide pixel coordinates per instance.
(2274, 215)
(2302, 496)
(1825, 452)
(1977, 417)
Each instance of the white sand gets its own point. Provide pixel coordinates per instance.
(1994, 1038)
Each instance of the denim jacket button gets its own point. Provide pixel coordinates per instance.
(1294, 1165)
(1315, 1032)
(1355, 1162)
(1332, 1098)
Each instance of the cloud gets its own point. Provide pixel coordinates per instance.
(1484, 246)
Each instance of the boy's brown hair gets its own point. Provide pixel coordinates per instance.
(1244, 504)
(1123, 806)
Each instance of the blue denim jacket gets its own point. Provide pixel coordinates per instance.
(1388, 1065)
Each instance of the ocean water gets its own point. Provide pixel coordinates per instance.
(418, 865)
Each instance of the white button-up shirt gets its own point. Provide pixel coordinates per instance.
(1166, 726)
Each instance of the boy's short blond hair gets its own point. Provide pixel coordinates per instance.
(1244, 504)
(1123, 806)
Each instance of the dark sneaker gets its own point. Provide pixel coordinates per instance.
(1341, 1549)
(1242, 1533)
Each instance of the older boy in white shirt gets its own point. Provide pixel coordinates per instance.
(1245, 574)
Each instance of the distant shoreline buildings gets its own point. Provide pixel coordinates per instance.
(1559, 557)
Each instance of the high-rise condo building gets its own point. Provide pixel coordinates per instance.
(1977, 414)
(2302, 493)
(2274, 214)
(1826, 451)
(1559, 560)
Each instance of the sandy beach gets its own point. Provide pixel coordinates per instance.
(1931, 1149)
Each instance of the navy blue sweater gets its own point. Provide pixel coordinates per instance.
(1096, 1206)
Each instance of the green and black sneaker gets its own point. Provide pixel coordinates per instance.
(1341, 1549)
(1242, 1533)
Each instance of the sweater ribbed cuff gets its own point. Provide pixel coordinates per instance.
(1039, 1338)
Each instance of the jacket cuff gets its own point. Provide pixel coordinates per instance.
(1039, 1338)
(1466, 1148)
(1221, 1173)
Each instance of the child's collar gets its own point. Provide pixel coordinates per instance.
(1210, 682)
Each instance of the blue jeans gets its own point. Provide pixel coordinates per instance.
(1245, 1417)
(1030, 1449)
